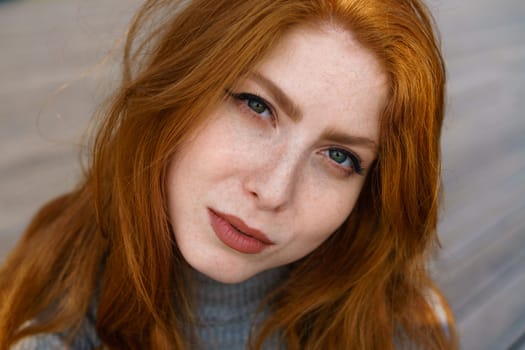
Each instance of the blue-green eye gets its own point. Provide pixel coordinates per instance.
(256, 103)
(257, 106)
(345, 159)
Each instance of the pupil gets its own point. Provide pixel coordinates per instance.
(256, 106)
(338, 156)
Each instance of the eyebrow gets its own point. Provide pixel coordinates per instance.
(289, 107)
(295, 113)
(351, 140)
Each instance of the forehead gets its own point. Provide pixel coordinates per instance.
(326, 70)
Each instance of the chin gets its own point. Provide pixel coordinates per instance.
(230, 278)
(221, 269)
(228, 275)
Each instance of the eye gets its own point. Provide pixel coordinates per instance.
(257, 106)
(255, 103)
(345, 159)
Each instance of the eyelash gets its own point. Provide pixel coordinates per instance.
(248, 97)
(354, 159)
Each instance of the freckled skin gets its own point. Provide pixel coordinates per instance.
(276, 176)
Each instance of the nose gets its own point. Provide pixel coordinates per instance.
(272, 184)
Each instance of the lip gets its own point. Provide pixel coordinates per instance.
(236, 234)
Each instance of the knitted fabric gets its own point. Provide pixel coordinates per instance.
(227, 312)
(225, 315)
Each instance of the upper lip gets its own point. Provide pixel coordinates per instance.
(243, 227)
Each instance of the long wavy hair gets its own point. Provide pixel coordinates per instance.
(366, 287)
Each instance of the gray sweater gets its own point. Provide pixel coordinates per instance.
(225, 316)
(225, 313)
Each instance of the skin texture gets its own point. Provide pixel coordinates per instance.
(273, 168)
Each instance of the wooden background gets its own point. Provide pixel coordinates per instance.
(45, 44)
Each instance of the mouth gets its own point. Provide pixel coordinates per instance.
(237, 235)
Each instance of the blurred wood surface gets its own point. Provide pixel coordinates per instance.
(481, 268)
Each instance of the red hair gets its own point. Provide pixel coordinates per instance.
(366, 287)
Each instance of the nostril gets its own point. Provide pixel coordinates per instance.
(271, 187)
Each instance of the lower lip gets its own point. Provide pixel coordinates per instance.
(233, 238)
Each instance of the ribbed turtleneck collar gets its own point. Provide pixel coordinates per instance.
(225, 312)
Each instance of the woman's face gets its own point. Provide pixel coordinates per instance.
(280, 163)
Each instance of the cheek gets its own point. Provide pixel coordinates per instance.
(325, 210)
(212, 151)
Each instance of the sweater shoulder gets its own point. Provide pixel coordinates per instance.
(41, 342)
(84, 338)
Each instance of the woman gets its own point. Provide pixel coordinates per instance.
(267, 174)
